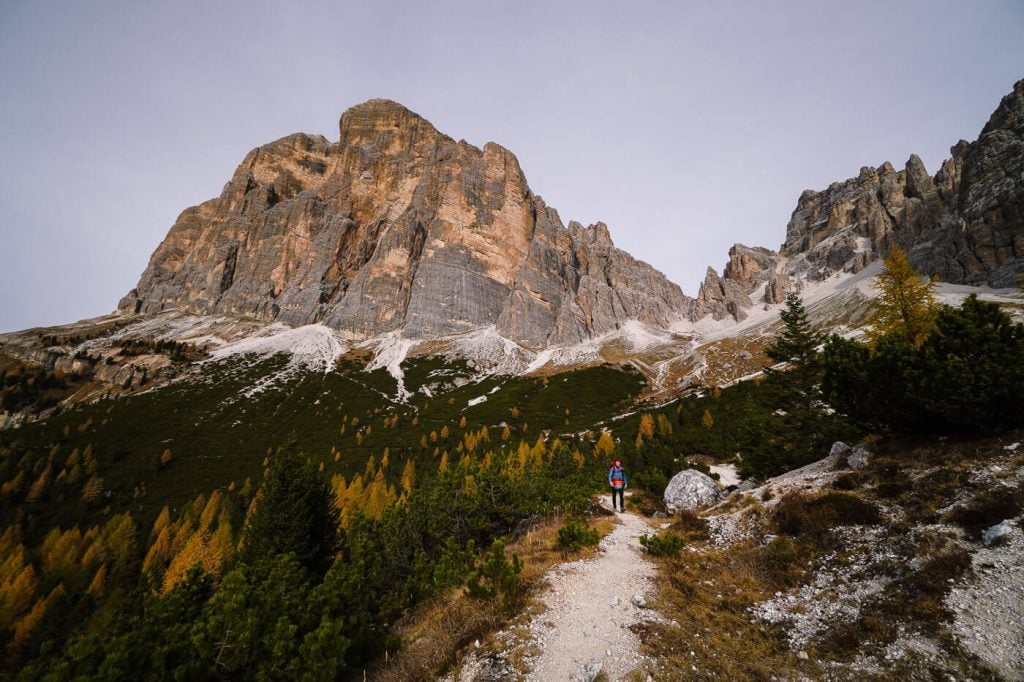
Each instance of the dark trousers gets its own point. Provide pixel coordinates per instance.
(622, 502)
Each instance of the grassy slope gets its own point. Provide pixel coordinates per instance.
(217, 435)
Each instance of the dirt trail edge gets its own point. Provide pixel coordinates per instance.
(582, 625)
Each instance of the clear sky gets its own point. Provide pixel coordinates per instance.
(686, 126)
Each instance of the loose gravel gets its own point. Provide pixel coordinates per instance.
(590, 607)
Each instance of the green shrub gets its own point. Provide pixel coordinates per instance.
(494, 575)
(968, 374)
(848, 510)
(783, 562)
(663, 545)
(575, 535)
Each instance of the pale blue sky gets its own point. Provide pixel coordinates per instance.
(686, 126)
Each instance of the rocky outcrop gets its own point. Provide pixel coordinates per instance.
(720, 297)
(398, 228)
(986, 242)
(750, 266)
(964, 225)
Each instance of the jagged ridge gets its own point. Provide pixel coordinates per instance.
(964, 225)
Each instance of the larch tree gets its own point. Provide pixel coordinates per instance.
(409, 475)
(906, 306)
(706, 420)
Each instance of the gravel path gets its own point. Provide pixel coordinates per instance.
(990, 609)
(590, 607)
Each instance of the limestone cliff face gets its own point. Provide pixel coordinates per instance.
(398, 228)
(965, 224)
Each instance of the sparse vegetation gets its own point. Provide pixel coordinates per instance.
(799, 515)
(663, 544)
(575, 535)
(987, 509)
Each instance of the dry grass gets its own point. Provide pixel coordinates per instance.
(437, 631)
(708, 595)
(726, 361)
(690, 526)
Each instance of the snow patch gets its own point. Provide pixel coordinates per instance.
(492, 352)
(476, 401)
(639, 336)
(313, 346)
(391, 350)
(727, 474)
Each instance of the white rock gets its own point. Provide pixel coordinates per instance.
(590, 671)
(839, 449)
(858, 459)
(639, 601)
(690, 489)
(997, 533)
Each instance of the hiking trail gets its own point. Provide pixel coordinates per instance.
(582, 624)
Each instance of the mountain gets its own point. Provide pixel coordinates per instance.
(397, 242)
(397, 228)
(964, 225)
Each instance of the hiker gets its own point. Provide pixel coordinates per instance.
(617, 480)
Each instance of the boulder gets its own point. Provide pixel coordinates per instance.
(997, 533)
(858, 459)
(837, 455)
(690, 489)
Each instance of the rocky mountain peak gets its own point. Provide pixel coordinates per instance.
(397, 228)
(380, 121)
(1009, 115)
(965, 224)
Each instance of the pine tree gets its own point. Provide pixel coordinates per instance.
(494, 575)
(295, 512)
(906, 307)
(798, 342)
